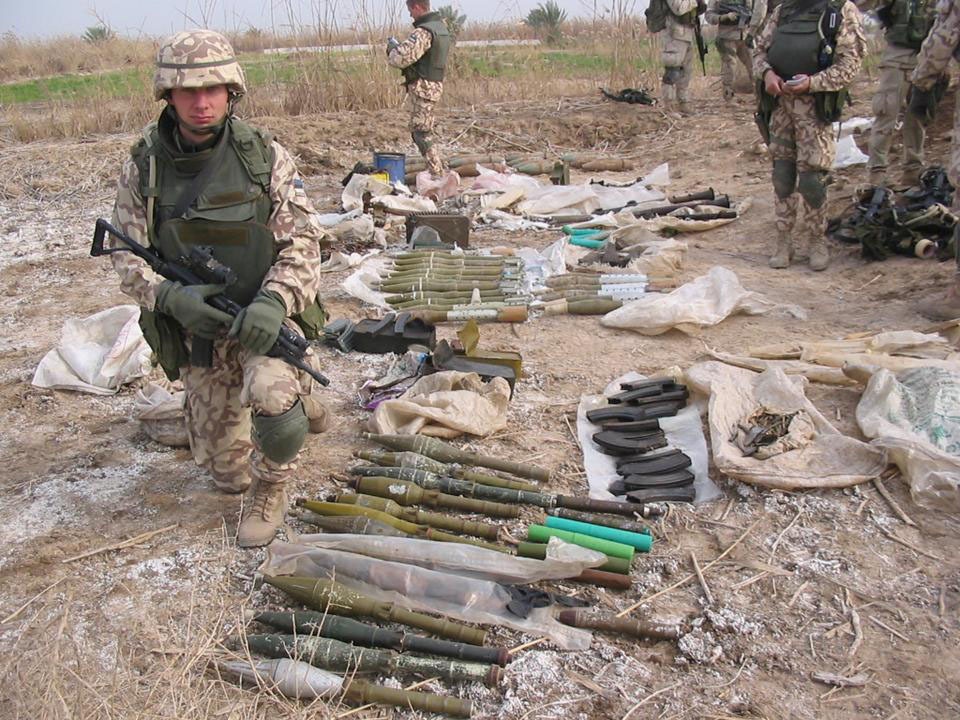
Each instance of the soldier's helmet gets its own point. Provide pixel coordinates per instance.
(197, 58)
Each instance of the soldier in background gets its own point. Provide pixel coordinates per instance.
(679, 48)
(199, 176)
(906, 23)
(807, 54)
(423, 59)
(738, 23)
(929, 81)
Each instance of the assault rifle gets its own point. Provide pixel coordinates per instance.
(743, 13)
(702, 49)
(201, 268)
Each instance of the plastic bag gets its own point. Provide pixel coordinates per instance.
(560, 200)
(564, 560)
(706, 301)
(455, 596)
(831, 459)
(914, 417)
(97, 354)
(848, 153)
(684, 431)
(440, 189)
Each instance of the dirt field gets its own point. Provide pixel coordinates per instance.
(129, 633)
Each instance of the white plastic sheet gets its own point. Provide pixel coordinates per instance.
(913, 415)
(684, 432)
(848, 153)
(97, 354)
(831, 459)
(564, 560)
(706, 301)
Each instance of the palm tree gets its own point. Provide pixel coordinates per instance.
(98, 34)
(454, 20)
(547, 19)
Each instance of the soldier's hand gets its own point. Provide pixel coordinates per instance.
(797, 85)
(729, 17)
(392, 44)
(258, 324)
(749, 41)
(188, 306)
(923, 103)
(773, 83)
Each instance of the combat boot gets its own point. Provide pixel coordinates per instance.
(819, 254)
(264, 515)
(783, 254)
(910, 177)
(943, 307)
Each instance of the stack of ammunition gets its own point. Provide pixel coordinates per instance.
(630, 430)
(424, 471)
(447, 287)
(588, 293)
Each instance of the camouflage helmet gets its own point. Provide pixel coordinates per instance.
(197, 58)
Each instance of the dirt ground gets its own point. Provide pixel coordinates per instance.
(129, 633)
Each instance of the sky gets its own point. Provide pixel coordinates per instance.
(49, 18)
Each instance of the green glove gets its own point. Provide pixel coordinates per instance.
(187, 305)
(258, 324)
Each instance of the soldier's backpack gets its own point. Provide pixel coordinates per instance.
(656, 15)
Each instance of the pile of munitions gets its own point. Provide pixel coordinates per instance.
(593, 293)
(451, 287)
(630, 431)
(305, 648)
(525, 163)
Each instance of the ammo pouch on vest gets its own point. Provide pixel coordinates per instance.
(829, 105)
(165, 337)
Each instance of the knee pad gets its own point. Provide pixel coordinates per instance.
(812, 185)
(672, 75)
(784, 178)
(422, 140)
(280, 437)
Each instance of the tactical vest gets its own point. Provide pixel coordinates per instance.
(908, 22)
(229, 215)
(798, 45)
(433, 64)
(730, 6)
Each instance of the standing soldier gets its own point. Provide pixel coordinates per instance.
(679, 48)
(739, 22)
(807, 54)
(929, 83)
(423, 59)
(199, 176)
(906, 24)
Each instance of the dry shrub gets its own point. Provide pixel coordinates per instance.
(23, 59)
(70, 659)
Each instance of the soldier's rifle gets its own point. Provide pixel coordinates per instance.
(702, 49)
(201, 268)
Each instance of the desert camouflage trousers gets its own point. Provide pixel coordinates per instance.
(423, 120)
(677, 58)
(219, 405)
(889, 105)
(798, 137)
(731, 50)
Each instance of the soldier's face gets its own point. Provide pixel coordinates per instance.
(201, 107)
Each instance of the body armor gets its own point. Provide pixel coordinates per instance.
(907, 22)
(432, 66)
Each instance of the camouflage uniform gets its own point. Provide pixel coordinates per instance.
(679, 49)
(731, 42)
(941, 44)
(221, 399)
(803, 144)
(422, 94)
(889, 106)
